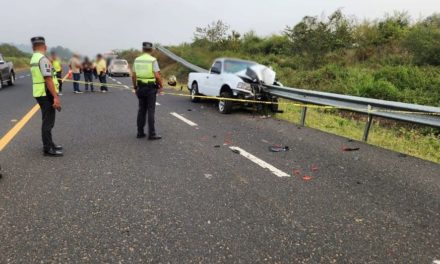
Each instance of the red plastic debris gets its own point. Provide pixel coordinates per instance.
(297, 172)
(307, 178)
(314, 168)
(345, 148)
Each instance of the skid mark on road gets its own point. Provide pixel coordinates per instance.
(260, 162)
(4, 141)
(183, 119)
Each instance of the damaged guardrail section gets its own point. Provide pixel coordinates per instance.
(412, 113)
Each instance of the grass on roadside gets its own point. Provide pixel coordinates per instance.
(415, 142)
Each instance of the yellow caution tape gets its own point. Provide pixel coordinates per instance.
(369, 110)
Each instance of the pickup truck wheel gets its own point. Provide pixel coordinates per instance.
(195, 93)
(225, 106)
(11, 80)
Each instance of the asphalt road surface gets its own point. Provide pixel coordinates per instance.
(209, 192)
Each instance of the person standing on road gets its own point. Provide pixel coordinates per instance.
(87, 67)
(56, 63)
(147, 83)
(101, 70)
(75, 67)
(45, 91)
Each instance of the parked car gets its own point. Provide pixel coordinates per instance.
(119, 67)
(7, 73)
(233, 78)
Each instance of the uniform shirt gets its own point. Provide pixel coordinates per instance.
(155, 67)
(46, 67)
(101, 66)
(74, 64)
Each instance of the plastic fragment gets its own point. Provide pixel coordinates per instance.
(344, 148)
(235, 151)
(279, 149)
(217, 146)
(307, 178)
(314, 168)
(297, 172)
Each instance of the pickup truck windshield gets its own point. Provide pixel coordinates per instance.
(236, 66)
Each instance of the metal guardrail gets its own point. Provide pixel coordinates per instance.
(180, 60)
(412, 113)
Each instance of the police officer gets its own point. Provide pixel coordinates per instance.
(45, 91)
(56, 63)
(147, 83)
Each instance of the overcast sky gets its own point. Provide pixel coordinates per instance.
(91, 26)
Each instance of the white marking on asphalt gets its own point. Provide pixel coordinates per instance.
(126, 87)
(189, 122)
(260, 162)
(119, 82)
(21, 77)
(436, 262)
(28, 75)
(157, 103)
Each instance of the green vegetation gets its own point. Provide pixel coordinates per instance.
(19, 58)
(389, 58)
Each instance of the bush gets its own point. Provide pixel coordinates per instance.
(380, 89)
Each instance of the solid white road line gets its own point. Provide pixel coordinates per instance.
(260, 162)
(189, 122)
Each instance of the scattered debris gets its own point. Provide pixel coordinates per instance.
(314, 168)
(14, 120)
(401, 155)
(265, 117)
(265, 141)
(235, 151)
(350, 140)
(214, 136)
(172, 80)
(279, 149)
(189, 110)
(344, 148)
(356, 158)
(208, 176)
(358, 220)
(217, 146)
(307, 178)
(209, 222)
(297, 172)
(358, 182)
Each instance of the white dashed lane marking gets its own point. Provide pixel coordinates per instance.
(183, 119)
(260, 162)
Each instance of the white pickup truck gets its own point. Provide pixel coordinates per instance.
(233, 78)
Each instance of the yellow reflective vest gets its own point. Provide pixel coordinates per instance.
(38, 83)
(56, 63)
(143, 67)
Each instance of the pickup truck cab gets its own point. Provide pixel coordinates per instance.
(7, 73)
(232, 78)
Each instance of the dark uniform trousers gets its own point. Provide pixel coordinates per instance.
(146, 94)
(48, 114)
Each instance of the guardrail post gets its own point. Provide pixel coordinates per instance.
(367, 128)
(303, 115)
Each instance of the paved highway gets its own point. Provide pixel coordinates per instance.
(210, 192)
